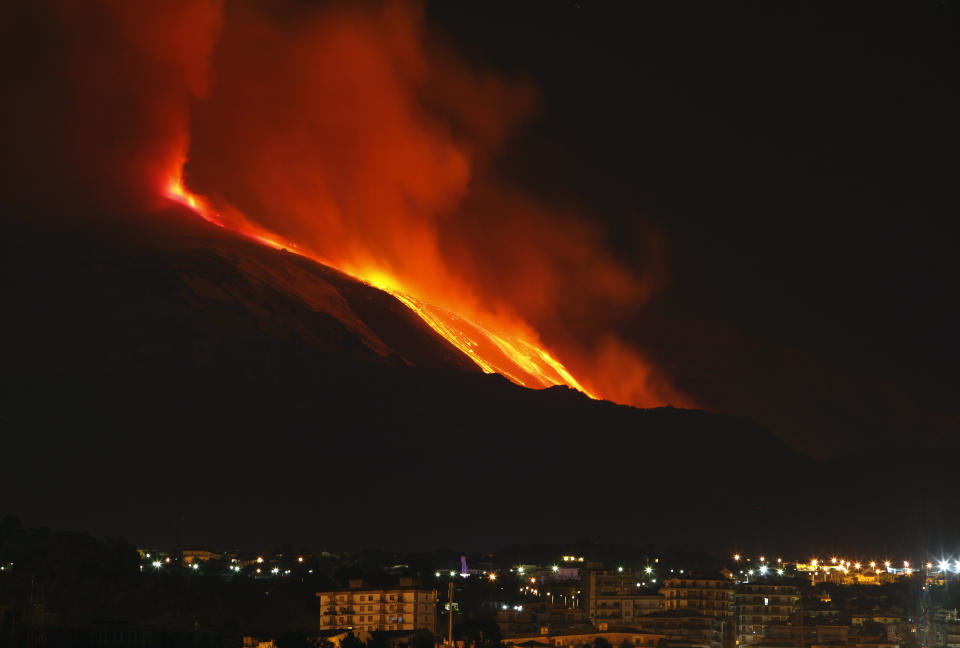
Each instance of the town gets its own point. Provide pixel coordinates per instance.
(597, 596)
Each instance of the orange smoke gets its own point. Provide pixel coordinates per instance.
(97, 108)
(350, 135)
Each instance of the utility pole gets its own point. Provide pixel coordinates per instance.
(450, 612)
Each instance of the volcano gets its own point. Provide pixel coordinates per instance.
(277, 396)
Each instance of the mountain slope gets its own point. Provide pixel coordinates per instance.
(175, 370)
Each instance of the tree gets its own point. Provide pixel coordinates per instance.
(482, 633)
(600, 642)
(377, 640)
(423, 638)
(351, 641)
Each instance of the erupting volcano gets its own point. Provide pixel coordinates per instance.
(353, 136)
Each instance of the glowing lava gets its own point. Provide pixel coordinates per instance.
(518, 359)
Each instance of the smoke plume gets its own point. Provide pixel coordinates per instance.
(348, 129)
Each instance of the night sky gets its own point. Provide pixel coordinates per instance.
(797, 164)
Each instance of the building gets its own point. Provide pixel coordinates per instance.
(619, 597)
(713, 597)
(823, 636)
(405, 607)
(692, 629)
(586, 639)
(760, 605)
(199, 555)
(946, 634)
(805, 635)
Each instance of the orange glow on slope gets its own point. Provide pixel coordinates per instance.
(511, 355)
(521, 361)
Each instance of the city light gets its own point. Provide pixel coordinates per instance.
(492, 576)
(300, 559)
(259, 560)
(555, 568)
(763, 569)
(736, 557)
(649, 570)
(779, 572)
(944, 565)
(619, 569)
(157, 564)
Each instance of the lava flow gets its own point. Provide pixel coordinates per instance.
(520, 360)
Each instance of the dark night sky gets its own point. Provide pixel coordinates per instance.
(799, 161)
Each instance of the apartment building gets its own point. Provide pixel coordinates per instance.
(759, 605)
(619, 597)
(694, 630)
(405, 607)
(713, 597)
